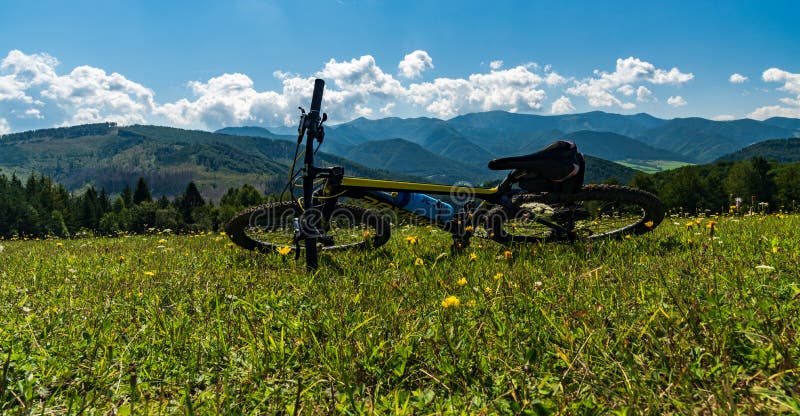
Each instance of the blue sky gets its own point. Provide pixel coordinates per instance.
(210, 64)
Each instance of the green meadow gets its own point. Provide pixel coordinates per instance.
(652, 166)
(699, 316)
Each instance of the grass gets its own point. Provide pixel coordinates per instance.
(652, 166)
(676, 321)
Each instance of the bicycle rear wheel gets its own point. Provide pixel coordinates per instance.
(594, 212)
(270, 227)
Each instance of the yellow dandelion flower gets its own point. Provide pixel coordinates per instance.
(162, 241)
(473, 257)
(149, 274)
(222, 233)
(507, 254)
(412, 239)
(468, 228)
(121, 258)
(649, 224)
(711, 225)
(450, 301)
(59, 245)
(488, 290)
(462, 281)
(283, 250)
(689, 224)
(628, 236)
(498, 276)
(775, 249)
(392, 265)
(419, 262)
(366, 233)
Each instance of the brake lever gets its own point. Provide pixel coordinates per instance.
(320, 135)
(301, 129)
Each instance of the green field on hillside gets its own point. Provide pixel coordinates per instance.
(652, 166)
(691, 318)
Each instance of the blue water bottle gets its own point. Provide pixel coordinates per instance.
(424, 205)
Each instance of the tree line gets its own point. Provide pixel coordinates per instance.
(756, 182)
(39, 207)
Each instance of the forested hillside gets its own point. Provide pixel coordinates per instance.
(780, 150)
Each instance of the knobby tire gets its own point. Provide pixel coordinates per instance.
(269, 227)
(626, 210)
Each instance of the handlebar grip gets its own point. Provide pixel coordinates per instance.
(316, 99)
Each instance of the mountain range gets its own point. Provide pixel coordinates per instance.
(414, 149)
(473, 138)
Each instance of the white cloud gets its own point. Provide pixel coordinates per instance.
(229, 99)
(626, 90)
(766, 112)
(643, 95)
(513, 89)
(791, 81)
(415, 63)
(562, 105)
(33, 113)
(4, 127)
(37, 95)
(629, 72)
(724, 117)
(676, 101)
(86, 94)
(673, 76)
(362, 75)
(791, 84)
(737, 78)
(363, 111)
(387, 109)
(552, 79)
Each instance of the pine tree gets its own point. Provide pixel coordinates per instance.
(127, 196)
(189, 201)
(142, 192)
(163, 202)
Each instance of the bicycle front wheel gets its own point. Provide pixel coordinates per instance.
(271, 227)
(594, 212)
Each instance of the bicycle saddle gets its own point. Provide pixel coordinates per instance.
(556, 162)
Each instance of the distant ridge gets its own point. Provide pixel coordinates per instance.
(612, 146)
(780, 150)
(111, 157)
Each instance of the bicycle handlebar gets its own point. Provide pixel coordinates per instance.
(316, 99)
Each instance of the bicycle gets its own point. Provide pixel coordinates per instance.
(542, 199)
